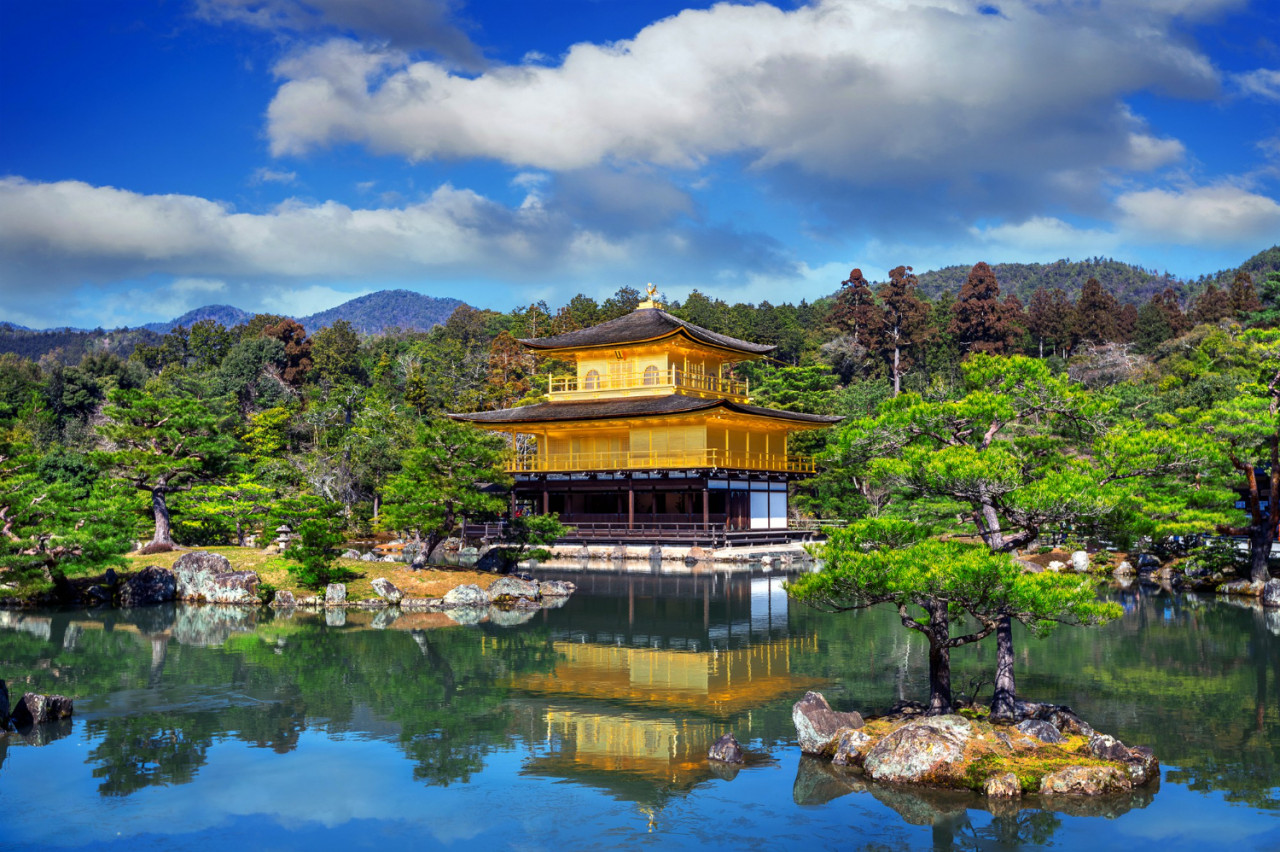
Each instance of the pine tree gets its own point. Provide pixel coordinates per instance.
(163, 445)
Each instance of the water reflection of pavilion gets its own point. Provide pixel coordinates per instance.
(650, 670)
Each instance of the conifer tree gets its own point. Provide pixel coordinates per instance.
(1049, 316)
(1244, 298)
(856, 312)
(904, 322)
(980, 319)
(1096, 314)
(1213, 305)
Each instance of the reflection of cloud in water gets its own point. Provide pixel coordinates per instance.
(324, 781)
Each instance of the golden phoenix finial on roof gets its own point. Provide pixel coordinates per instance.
(651, 290)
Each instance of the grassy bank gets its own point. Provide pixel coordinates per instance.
(425, 583)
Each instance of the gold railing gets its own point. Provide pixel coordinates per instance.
(672, 377)
(709, 458)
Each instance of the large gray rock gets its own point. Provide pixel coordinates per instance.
(725, 750)
(36, 709)
(1124, 569)
(284, 599)
(1080, 561)
(151, 585)
(1147, 562)
(193, 571)
(1142, 765)
(818, 726)
(1244, 588)
(1085, 781)
(556, 588)
(1271, 594)
(919, 749)
(386, 589)
(1056, 566)
(200, 576)
(468, 595)
(506, 589)
(369, 557)
(335, 594)
(350, 554)
(1106, 747)
(1043, 731)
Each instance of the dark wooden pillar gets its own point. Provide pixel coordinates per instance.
(513, 504)
(546, 500)
(631, 503)
(706, 508)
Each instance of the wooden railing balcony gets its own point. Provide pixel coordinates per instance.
(673, 378)
(674, 460)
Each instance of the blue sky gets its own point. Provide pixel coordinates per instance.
(286, 155)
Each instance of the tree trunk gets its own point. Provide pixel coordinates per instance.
(1261, 537)
(939, 660)
(1004, 702)
(897, 373)
(164, 532)
(239, 533)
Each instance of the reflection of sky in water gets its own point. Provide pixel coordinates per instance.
(348, 792)
(600, 744)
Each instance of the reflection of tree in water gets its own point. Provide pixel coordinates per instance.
(148, 749)
(444, 690)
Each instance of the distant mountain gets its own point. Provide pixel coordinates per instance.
(386, 309)
(1126, 282)
(224, 314)
(12, 326)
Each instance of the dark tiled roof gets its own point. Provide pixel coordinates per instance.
(642, 324)
(605, 409)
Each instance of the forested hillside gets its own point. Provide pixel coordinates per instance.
(386, 309)
(208, 433)
(224, 314)
(1129, 284)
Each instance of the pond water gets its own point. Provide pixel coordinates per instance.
(587, 726)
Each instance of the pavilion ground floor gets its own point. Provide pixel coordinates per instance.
(705, 506)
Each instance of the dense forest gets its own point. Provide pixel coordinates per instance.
(1158, 412)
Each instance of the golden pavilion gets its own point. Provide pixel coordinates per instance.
(652, 436)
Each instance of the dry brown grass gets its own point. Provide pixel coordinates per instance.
(274, 570)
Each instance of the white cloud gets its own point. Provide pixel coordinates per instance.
(265, 175)
(1042, 238)
(64, 245)
(1261, 83)
(72, 231)
(1217, 215)
(896, 90)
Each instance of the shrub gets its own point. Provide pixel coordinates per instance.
(314, 547)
